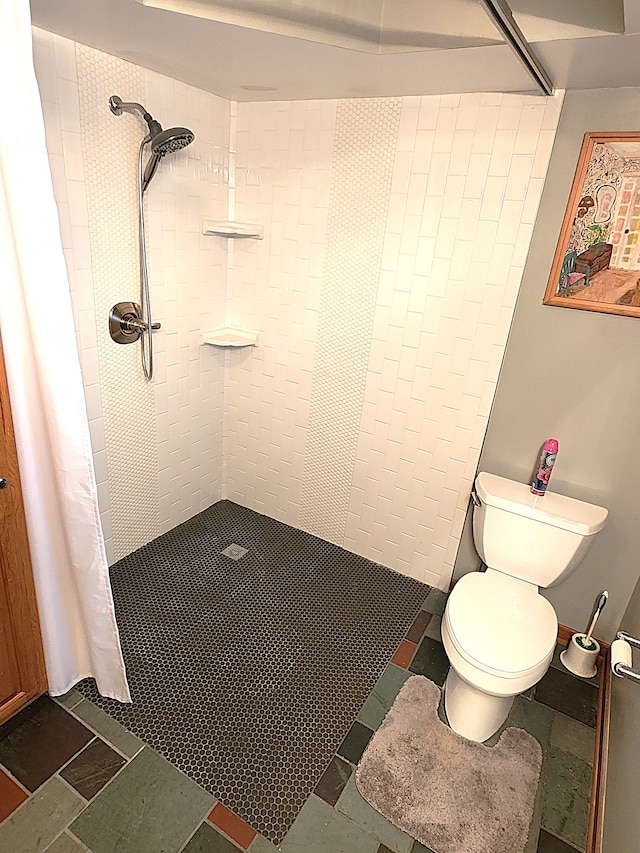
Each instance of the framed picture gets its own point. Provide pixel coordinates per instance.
(596, 266)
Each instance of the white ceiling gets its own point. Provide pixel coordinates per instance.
(581, 44)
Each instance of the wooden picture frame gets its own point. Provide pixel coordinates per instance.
(596, 266)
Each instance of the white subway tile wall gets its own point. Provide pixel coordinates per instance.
(466, 182)
(465, 178)
(157, 448)
(108, 199)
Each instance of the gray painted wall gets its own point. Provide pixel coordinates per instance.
(575, 376)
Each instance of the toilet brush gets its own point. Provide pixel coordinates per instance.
(581, 654)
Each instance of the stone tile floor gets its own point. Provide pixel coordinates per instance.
(72, 779)
(223, 656)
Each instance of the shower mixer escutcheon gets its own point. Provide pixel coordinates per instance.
(126, 323)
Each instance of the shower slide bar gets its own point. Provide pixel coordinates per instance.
(129, 321)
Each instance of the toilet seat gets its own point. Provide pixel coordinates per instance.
(500, 625)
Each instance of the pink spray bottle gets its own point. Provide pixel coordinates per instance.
(545, 465)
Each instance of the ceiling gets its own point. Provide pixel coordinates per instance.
(253, 50)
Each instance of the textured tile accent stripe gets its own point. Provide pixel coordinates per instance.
(363, 158)
(110, 145)
(247, 675)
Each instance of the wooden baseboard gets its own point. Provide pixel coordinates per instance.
(599, 775)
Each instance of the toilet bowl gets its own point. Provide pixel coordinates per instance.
(499, 635)
(498, 631)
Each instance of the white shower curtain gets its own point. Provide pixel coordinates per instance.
(75, 603)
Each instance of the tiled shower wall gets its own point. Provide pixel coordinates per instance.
(361, 416)
(157, 447)
(395, 236)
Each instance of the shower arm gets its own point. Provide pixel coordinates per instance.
(118, 106)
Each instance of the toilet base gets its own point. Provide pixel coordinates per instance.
(472, 713)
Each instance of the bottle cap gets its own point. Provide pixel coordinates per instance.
(551, 446)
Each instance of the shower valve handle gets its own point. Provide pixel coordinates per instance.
(133, 324)
(126, 323)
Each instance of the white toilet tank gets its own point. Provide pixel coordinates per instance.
(540, 540)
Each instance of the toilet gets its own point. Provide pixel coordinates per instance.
(498, 631)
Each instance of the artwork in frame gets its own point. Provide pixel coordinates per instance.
(596, 266)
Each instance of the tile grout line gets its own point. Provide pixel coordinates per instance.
(96, 795)
(56, 773)
(18, 783)
(227, 837)
(102, 736)
(63, 831)
(77, 840)
(186, 843)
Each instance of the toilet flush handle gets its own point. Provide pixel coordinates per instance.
(474, 497)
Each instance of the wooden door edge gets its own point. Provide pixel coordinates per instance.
(20, 701)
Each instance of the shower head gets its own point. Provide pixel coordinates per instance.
(170, 140)
(162, 141)
(165, 142)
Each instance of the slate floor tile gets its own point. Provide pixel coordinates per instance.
(353, 806)
(232, 825)
(434, 629)
(69, 700)
(91, 769)
(548, 843)
(333, 780)
(322, 829)
(11, 795)
(158, 808)
(39, 741)
(415, 632)
(431, 660)
(260, 844)
(41, 819)
(565, 809)
(403, 654)
(65, 843)
(108, 728)
(207, 840)
(574, 737)
(420, 848)
(382, 696)
(355, 742)
(569, 695)
(435, 602)
(533, 717)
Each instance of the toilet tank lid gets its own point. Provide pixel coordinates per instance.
(558, 510)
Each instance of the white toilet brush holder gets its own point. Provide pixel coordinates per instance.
(581, 655)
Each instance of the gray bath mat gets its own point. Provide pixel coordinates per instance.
(452, 794)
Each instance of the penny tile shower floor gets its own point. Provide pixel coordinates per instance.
(257, 685)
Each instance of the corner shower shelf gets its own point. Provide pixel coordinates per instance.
(227, 228)
(226, 336)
